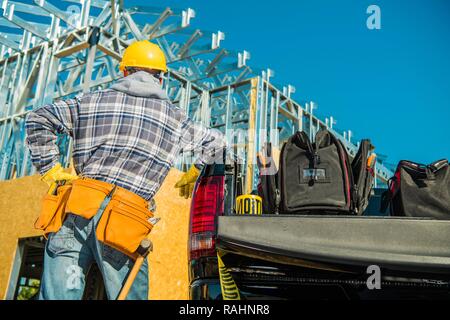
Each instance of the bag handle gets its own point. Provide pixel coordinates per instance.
(430, 169)
(434, 167)
(438, 165)
(320, 137)
(302, 140)
(430, 173)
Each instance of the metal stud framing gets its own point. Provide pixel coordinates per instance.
(66, 47)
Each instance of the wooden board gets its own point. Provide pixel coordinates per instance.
(168, 262)
(20, 205)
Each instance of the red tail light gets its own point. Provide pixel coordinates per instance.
(207, 204)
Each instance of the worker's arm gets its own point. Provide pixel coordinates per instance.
(207, 144)
(43, 125)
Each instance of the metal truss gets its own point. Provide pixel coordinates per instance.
(57, 49)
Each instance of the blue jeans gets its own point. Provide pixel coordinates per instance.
(70, 252)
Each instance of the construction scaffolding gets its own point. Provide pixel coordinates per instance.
(57, 49)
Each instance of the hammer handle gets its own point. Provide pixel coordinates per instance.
(130, 279)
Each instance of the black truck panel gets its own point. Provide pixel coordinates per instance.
(416, 245)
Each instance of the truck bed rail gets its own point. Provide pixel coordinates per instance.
(418, 245)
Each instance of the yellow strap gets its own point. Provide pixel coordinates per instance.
(228, 287)
(246, 204)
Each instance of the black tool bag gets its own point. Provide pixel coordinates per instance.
(418, 190)
(267, 185)
(316, 178)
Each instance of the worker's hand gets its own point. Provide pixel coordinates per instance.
(57, 174)
(187, 182)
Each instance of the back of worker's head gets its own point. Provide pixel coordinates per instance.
(143, 56)
(158, 74)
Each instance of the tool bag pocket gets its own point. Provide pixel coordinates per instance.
(53, 211)
(123, 226)
(86, 198)
(363, 176)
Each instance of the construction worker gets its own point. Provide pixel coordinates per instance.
(126, 137)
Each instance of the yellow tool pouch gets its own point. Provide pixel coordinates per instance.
(124, 225)
(124, 221)
(53, 211)
(86, 197)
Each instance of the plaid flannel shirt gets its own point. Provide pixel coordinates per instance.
(118, 138)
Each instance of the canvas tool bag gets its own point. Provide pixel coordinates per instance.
(316, 177)
(418, 190)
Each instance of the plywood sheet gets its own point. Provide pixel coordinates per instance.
(20, 205)
(169, 260)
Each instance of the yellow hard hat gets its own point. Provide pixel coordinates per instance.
(143, 54)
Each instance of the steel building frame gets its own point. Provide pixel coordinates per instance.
(54, 50)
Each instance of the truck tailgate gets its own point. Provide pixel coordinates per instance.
(418, 245)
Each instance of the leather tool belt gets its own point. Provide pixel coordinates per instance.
(124, 221)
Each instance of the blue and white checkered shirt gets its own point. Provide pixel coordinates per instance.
(120, 137)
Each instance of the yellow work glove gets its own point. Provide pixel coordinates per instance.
(56, 174)
(187, 182)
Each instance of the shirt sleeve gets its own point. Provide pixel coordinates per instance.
(43, 126)
(207, 144)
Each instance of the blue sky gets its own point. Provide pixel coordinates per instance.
(391, 85)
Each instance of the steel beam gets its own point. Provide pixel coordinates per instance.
(215, 86)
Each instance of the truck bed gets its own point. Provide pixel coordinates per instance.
(404, 244)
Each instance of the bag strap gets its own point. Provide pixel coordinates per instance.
(430, 169)
(438, 165)
(320, 138)
(388, 195)
(430, 173)
(434, 167)
(302, 140)
(386, 198)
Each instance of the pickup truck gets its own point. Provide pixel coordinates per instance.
(273, 256)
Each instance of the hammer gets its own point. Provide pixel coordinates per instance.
(144, 249)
